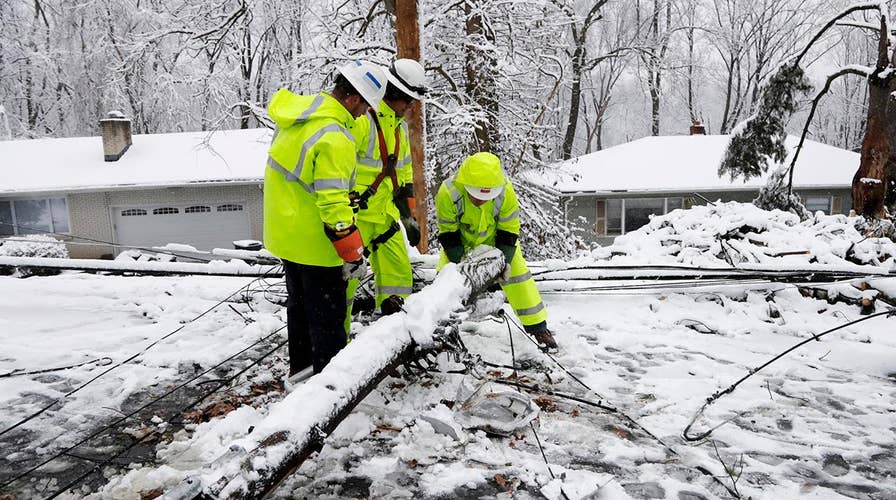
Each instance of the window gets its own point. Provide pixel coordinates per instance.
(6, 223)
(816, 203)
(626, 215)
(673, 204)
(47, 215)
(132, 212)
(165, 211)
(230, 207)
(614, 216)
(198, 209)
(639, 210)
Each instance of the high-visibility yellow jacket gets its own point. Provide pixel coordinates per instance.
(380, 207)
(310, 169)
(477, 225)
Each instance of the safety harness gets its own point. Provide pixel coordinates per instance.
(382, 238)
(389, 162)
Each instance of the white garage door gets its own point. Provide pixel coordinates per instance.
(200, 225)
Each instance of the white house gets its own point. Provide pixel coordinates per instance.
(198, 188)
(615, 190)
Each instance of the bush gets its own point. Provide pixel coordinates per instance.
(33, 245)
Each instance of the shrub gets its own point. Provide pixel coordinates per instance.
(33, 245)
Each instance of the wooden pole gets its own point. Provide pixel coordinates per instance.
(407, 38)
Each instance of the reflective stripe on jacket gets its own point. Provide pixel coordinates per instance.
(310, 169)
(477, 225)
(380, 207)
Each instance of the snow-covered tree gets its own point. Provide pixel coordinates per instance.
(874, 184)
(760, 139)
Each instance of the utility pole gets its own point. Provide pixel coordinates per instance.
(407, 37)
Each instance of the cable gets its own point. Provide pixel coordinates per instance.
(712, 399)
(104, 361)
(102, 242)
(599, 404)
(100, 465)
(129, 359)
(516, 377)
(118, 421)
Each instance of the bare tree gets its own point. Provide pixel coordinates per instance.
(751, 39)
(581, 62)
(658, 22)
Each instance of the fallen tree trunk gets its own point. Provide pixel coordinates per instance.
(296, 426)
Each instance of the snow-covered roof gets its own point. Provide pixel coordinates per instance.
(162, 160)
(679, 163)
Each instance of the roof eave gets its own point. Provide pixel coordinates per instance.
(131, 187)
(628, 192)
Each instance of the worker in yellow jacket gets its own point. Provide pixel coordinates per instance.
(478, 206)
(386, 188)
(309, 221)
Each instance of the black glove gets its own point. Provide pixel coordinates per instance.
(400, 197)
(506, 243)
(391, 305)
(412, 229)
(452, 245)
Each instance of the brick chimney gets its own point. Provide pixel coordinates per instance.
(116, 130)
(697, 128)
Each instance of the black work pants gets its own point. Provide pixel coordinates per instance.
(315, 314)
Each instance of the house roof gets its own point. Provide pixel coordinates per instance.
(153, 160)
(689, 163)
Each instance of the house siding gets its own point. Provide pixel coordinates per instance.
(586, 213)
(91, 215)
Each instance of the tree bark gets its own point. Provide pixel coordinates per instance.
(872, 185)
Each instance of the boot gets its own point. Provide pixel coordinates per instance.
(391, 305)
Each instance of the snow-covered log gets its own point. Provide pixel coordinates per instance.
(296, 426)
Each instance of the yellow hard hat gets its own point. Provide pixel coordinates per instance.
(482, 176)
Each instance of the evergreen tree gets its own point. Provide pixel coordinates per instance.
(761, 137)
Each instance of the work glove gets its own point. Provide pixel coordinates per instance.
(505, 274)
(452, 245)
(412, 229)
(348, 245)
(354, 270)
(505, 241)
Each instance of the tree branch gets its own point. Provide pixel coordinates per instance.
(832, 22)
(849, 70)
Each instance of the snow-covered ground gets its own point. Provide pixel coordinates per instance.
(818, 423)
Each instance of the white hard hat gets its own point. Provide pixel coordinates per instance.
(368, 79)
(484, 193)
(408, 76)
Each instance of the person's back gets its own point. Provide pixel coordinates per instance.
(306, 179)
(308, 216)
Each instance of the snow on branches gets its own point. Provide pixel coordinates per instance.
(760, 138)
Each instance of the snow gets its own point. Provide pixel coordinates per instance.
(817, 423)
(153, 160)
(688, 163)
(125, 263)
